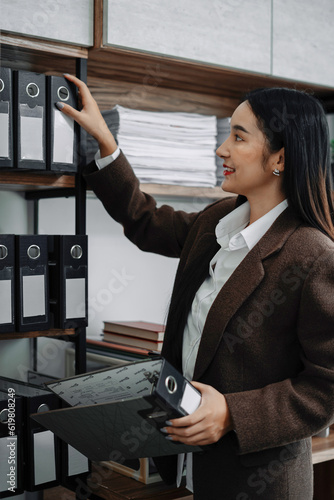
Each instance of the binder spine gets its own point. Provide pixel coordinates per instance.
(62, 131)
(7, 283)
(68, 281)
(30, 120)
(32, 282)
(6, 118)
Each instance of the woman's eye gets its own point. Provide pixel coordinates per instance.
(238, 138)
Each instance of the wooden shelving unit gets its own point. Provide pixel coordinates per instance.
(42, 56)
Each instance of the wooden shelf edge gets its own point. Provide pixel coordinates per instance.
(53, 332)
(174, 191)
(171, 190)
(35, 180)
(170, 64)
(41, 45)
(24, 181)
(323, 448)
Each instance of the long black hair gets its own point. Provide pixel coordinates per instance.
(296, 121)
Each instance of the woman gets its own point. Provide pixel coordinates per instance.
(251, 319)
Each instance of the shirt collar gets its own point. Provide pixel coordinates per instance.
(232, 232)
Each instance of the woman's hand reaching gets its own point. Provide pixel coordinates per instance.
(90, 117)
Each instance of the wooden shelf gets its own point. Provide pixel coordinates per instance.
(323, 448)
(53, 332)
(27, 181)
(214, 193)
(108, 484)
(24, 181)
(151, 72)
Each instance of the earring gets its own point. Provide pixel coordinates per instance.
(276, 172)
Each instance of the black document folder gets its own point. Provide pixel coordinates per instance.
(32, 281)
(11, 444)
(6, 118)
(41, 456)
(68, 280)
(7, 282)
(30, 120)
(116, 413)
(62, 132)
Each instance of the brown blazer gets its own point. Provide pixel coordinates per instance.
(267, 344)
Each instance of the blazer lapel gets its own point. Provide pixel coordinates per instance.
(244, 280)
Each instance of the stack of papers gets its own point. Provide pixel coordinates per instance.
(165, 147)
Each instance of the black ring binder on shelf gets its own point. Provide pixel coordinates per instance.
(62, 131)
(68, 275)
(30, 120)
(7, 283)
(32, 282)
(41, 450)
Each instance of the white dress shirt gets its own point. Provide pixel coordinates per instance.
(103, 162)
(236, 239)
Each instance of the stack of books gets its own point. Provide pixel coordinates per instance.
(134, 334)
(165, 147)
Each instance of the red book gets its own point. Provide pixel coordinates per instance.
(140, 329)
(118, 347)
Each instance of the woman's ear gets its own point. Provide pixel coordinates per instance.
(279, 159)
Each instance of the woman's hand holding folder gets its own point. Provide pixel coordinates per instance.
(210, 422)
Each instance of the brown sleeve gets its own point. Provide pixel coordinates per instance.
(160, 230)
(296, 408)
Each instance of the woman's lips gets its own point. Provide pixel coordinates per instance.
(228, 170)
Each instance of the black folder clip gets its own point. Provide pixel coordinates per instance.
(62, 133)
(172, 395)
(7, 283)
(30, 120)
(6, 118)
(68, 280)
(32, 306)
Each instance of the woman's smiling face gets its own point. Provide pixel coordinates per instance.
(248, 166)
